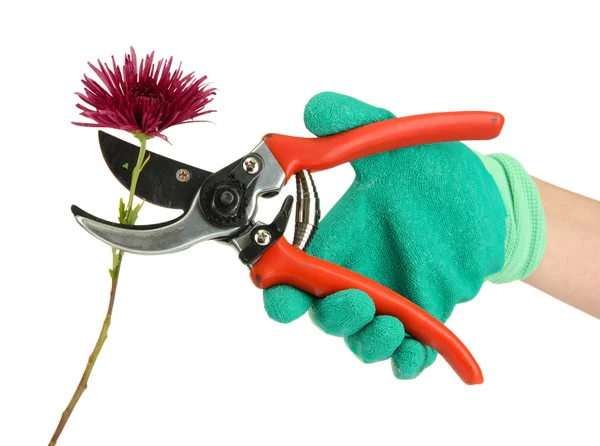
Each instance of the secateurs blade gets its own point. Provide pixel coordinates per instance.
(222, 206)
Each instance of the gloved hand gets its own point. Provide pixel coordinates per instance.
(430, 222)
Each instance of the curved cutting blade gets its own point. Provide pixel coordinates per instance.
(163, 238)
(159, 183)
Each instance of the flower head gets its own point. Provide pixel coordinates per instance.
(144, 101)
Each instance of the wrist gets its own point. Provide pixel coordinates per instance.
(525, 221)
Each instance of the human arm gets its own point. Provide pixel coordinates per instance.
(441, 219)
(570, 266)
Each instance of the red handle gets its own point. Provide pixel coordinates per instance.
(283, 263)
(295, 153)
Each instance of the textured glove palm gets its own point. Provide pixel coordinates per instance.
(427, 221)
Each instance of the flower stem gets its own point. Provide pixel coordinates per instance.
(117, 259)
(91, 360)
(136, 173)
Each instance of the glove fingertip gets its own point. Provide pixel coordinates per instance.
(411, 358)
(343, 313)
(285, 304)
(328, 113)
(378, 340)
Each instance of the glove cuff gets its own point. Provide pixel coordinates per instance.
(525, 222)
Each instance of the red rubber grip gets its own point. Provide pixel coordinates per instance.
(295, 153)
(285, 264)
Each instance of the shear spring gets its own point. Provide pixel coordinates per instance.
(308, 212)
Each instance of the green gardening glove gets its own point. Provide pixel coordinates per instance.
(430, 222)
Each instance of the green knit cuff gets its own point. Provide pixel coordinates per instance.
(525, 222)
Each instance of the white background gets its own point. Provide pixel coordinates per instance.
(192, 358)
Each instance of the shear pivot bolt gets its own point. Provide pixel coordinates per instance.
(262, 237)
(251, 165)
(183, 175)
(227, 198)
(226, 201)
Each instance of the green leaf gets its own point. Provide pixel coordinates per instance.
(125, 166)
(122, 213)
(112, 273)
(134, 213)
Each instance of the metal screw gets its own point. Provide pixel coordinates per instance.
(251, 165)
(262, 237)
(183, 175)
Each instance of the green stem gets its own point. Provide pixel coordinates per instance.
(116, 269)
(136, 173)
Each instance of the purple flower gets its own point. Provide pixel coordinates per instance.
(145, 100)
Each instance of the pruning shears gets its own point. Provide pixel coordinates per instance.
(222, 206)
